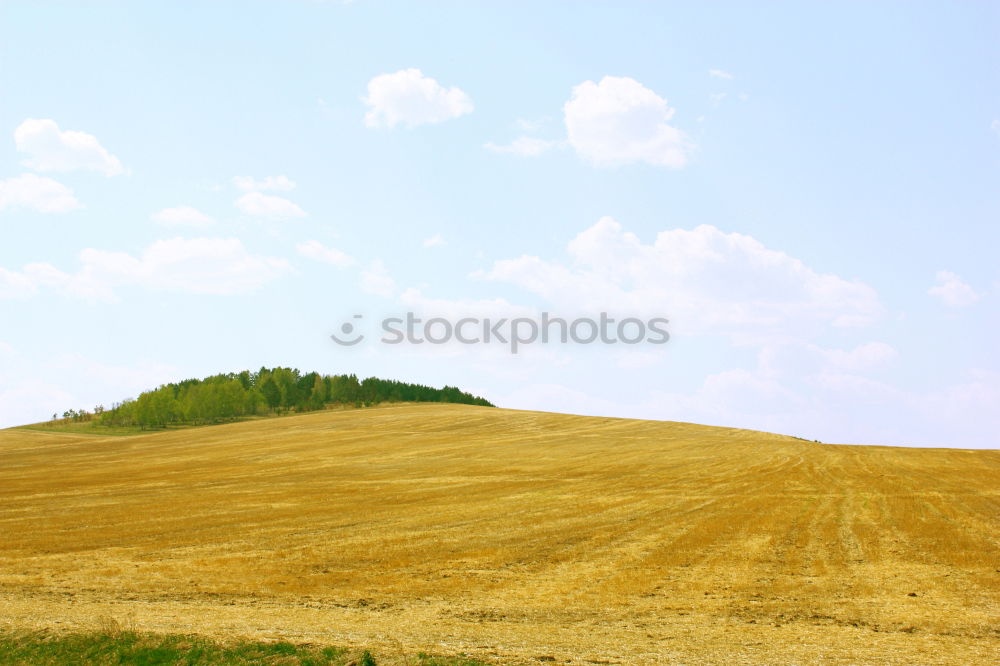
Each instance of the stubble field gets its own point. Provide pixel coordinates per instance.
(509, 536)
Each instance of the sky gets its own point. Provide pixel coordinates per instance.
(808, 192)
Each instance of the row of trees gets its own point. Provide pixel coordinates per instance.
(269, 390)
(72, 415)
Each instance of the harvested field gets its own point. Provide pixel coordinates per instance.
(509, 536)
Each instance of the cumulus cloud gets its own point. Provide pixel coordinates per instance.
(36, 193)
(704, 280)
(409, 98)
(275, 183)
(200, 265)
(183, 216)
(51, 149)
(620, 121)
(315, 250)
(525, 146)
(952, 291)
(719, 74)
(265, 205)
(376, 280)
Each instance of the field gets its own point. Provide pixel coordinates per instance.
(509, 536)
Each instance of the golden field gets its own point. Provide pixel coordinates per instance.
(508, 536)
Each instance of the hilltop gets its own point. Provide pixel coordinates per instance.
(509, 536)
(243, 395)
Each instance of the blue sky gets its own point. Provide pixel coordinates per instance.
(808, 191)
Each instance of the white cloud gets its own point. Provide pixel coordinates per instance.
(183, 216)
(51, 149)
(315, 250)
(704, 280)
(36, 193)
(995, 126)
(199, 265)
(719, 74)
(434, 241)
(620, 121)
(952, 291)
(376, 280)
(264, 205)
(409, 98)
(276, 183)
(524, 146)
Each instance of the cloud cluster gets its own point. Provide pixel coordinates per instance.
(619, 121)
(51, 149)
(199, 265)
(952, 291)
(409, 98)
(33, 192)
(704, 280)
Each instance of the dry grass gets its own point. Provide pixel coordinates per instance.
(508, 536)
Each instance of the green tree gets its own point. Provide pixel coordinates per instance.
(317, 397)
(271, 392)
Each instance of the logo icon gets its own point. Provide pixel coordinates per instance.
(347, 328)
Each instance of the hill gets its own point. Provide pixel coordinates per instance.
(510, 536)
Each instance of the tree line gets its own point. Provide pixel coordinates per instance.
(232, 396)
